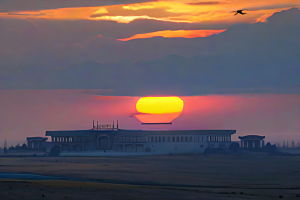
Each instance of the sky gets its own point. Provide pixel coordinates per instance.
(55, 56)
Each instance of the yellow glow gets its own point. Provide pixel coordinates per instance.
(128, 19)
(175, 34)
(159, 105)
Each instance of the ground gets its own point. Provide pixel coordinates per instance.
(159, 177)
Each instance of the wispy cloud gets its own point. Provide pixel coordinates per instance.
(272, 7)
(205, 3)
(175, 34)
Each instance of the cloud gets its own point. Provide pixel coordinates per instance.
(272, 7)
(205, 3)
(29, 5)
(262, 56)
(175, 34)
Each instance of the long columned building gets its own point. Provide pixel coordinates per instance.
(137, 141)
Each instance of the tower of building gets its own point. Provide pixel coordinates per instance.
(5, 145)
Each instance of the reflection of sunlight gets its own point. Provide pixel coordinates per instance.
(175, 34)
(157, 118)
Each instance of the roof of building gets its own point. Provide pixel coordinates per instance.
(79, 132)
(252, 137)
(37, 138)
(124, 132)
(177, 132)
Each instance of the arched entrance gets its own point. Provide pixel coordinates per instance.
(77, 147)
(54, 151)
(103, 142)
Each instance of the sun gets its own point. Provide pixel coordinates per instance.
(159, 109)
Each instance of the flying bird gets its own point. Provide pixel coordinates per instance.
(239, 12)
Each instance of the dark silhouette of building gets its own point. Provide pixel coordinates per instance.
(252, 141)
(36, 142)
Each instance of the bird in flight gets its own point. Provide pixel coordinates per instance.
(239, 12)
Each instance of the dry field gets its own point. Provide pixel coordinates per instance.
(160, 177)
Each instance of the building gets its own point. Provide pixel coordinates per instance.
(252, 141)
(36, 142)
(109, 138)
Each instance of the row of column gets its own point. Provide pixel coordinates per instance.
(34, 144)
(252, 143)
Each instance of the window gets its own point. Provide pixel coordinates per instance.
(152, 139)
(191, 139)
(182, 139)
(201, 146)
(127, 139)
(202, 139)
(159, 139)
(169, 139)
(212, 138)
(173, 139)
(177, 139)
(138, 139)
(155, 139)
(186, 139)
(208, 138)
(164, 139)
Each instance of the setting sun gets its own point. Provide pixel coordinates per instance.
(159, 105)
(158, 109)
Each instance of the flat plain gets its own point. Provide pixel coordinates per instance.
(148, 177)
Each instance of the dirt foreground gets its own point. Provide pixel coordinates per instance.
(160, 177)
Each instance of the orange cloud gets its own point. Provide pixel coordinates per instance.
(264, 18)
(187, 11)
(175, 34)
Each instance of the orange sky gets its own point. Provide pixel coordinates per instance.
(187, 11)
